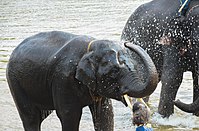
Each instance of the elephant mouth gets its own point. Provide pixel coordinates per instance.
(129, 103)
(113, 92)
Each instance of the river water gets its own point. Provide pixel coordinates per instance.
(102, 19)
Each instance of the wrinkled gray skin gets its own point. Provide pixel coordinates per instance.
(194, 48)
(146, 27)
(60, 71)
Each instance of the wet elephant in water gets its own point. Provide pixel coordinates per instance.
(182, 45)
(66, 72)
(146, 26)
(194, 45)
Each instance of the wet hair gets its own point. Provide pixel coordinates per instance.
(140, 114)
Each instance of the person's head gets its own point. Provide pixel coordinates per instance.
(140, 114)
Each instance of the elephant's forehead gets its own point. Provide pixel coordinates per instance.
(116, 48)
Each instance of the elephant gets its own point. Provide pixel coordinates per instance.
(65, 72)
(148, 26)
(193, 107)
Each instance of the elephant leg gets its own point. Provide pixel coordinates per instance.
(67, 105)
(102, 114)
(29, 113)
(69, 117)
(170, 85)
(31, 118)
(195, 89)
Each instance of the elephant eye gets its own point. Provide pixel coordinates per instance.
(105, 63)
(114, 72)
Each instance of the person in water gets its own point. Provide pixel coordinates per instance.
(141, 114)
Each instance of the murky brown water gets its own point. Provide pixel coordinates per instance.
(102, 19)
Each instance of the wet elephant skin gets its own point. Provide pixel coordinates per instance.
(148, 27)
(66, 72)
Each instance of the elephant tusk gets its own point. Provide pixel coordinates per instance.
(128, 101)
(142, 101)
(126, 97)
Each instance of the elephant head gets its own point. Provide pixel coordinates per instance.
(109, 70)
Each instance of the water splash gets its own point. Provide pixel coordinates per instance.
(185, 121)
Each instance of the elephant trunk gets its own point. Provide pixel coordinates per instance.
(136, 87)
(190, 108)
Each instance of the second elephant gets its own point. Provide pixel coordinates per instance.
(172, 43)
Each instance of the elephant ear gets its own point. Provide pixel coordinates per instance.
(86, 71)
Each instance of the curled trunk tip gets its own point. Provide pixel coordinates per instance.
(142, 89)
(189, 108)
